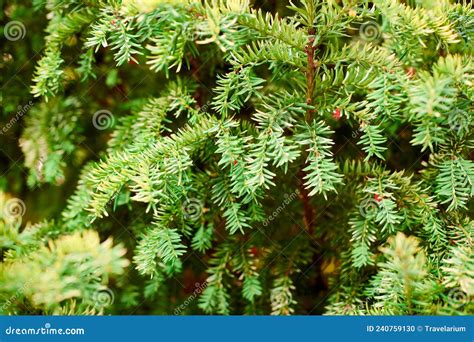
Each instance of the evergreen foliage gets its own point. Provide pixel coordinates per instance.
(312, 157)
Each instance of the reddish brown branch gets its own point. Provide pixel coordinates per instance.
(309, 212)
(310, 72)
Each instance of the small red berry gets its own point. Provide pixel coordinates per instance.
(377, 198)
(235, 162)
(336, 114)
(254, 251)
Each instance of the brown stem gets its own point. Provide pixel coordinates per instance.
(310, 72)
(309, 213)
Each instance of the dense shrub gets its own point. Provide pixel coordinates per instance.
(188, 157)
